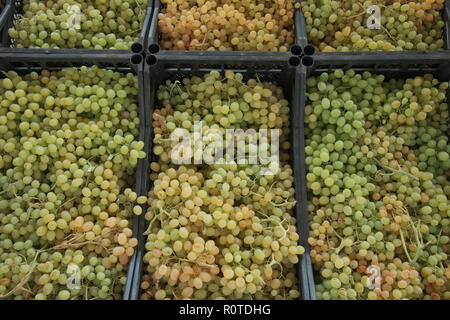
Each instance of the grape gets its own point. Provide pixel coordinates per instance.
(79, 24)
(221, 25)
(65, 201)
(343, 25)
(220, 230)
(379, 226)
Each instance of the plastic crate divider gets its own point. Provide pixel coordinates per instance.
(300, 27)
(300, 187)
(152, 46)
(137, 62)
(139, 47)
(446, 17)
(141, 171)
(391, 60)
(248, 60)
(6, 18)
(307, 280)
(61, 58)
(141, 186)
(146, 24)
(139, 252)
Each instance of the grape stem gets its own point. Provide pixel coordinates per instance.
(71, 243)
(419, 240)
(25, 279)
(273, 261)
(355, 16)
(161, 211)
(66, 203)
(285, 203)
(404, 246)
(390, 36)
(277, 223)
(201, 264)
(397, 171)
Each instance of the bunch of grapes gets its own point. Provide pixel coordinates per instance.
(378, 162)
(336, 25)
(221, 230)
(224, 25)
(68, 142)
(96, 24)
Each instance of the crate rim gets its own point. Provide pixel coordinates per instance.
(6, 63)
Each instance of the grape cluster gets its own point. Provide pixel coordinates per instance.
(224, 25)
(96, 24)
(377, 154)
(68, 152)
(336, 25)
(222, 230)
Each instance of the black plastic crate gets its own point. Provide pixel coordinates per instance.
(14, 8)
(398, 65)
(401, 62)
(299, 47)
(24, 62)
(303, 37)
(281, 74)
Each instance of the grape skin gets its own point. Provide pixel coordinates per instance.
(64, 182)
